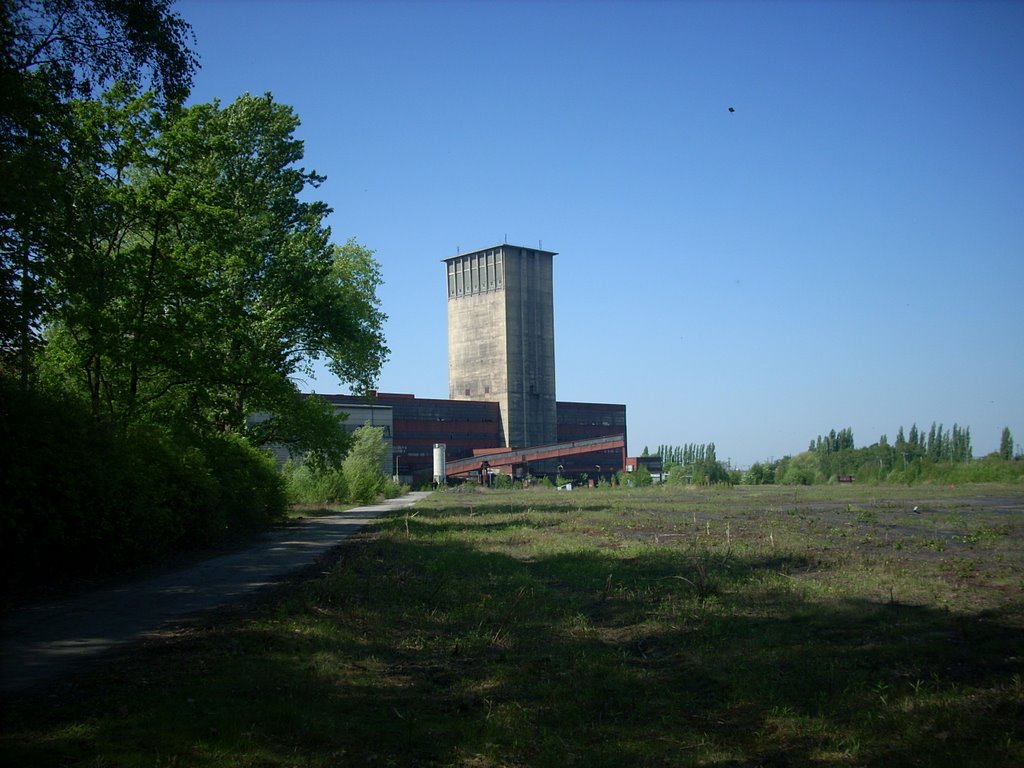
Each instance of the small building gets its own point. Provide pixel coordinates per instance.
(652, 464)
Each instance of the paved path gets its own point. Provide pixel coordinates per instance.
(43, 642)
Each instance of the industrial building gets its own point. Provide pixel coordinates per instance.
(502, 413)
(501, 338)
(469, 428)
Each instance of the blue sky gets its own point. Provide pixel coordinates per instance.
(846, 249)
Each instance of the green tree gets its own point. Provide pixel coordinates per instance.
(363, 466)
(205, 282)
(52, 51)
(1006, 445)
(802, 469)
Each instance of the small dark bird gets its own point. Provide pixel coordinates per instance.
(732, 109)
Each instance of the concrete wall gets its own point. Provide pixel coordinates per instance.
(501, 337)
(530, 332)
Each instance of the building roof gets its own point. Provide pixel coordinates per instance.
(500, 245)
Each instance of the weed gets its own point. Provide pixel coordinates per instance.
(517, 628)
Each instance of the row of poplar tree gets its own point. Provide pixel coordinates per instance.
(939, 444)
(937, 454)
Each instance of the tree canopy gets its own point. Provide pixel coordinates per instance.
(166, 276)
(53, 52)
(198, 281)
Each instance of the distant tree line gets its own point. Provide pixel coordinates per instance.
(939, 454)
(693, 463)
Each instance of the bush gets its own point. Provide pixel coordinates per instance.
(79, 497)
(364, 477)
(641, 477)
(802, 469)
(307, 483)
(250, 490)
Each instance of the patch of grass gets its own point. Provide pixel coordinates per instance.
(603, 627)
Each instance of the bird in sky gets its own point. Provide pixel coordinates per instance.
(732, 109)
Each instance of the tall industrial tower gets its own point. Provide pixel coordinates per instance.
(501, 338)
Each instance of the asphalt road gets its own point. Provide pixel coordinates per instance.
(43, 642)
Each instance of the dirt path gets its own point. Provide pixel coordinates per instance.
(42, 642)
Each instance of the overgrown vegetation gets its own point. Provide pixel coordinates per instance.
(359, 478)
(940, 456)
(164, 276)
(828, 625)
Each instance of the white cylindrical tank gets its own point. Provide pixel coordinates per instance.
(439, 461)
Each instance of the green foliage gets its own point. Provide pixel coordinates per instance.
(502, 481)
(697, 462)
(363, 466)
(81, 497)
(202, 281)
(678, 475)
(307, 427)
(77, 45)
(760, 474)
(1006, 445)
(308, 482)
(802, 469)
(54, 51)
(359, 478)
(165, 277)
(990, 469)
(640, 477)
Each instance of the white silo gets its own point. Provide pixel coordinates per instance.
(439, 462)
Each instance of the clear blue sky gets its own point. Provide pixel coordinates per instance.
(846, 249)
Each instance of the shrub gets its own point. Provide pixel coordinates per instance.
(641, 477)
(364, 477)
(308, 483)
(79, 497)
(802, 469)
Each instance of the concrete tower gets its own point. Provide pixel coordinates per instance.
(501, 338)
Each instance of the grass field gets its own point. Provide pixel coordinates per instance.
(833, 625)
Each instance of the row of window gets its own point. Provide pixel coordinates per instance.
(434, 436)
(476, 273)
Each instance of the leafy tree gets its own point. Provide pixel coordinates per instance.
(1006, 445)
(203, 283)
(759, 474)
(693, 462)
(363, 466)
(802, 469)
(52, 51)
(79, 45)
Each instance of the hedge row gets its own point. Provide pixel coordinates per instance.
(80, 498)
